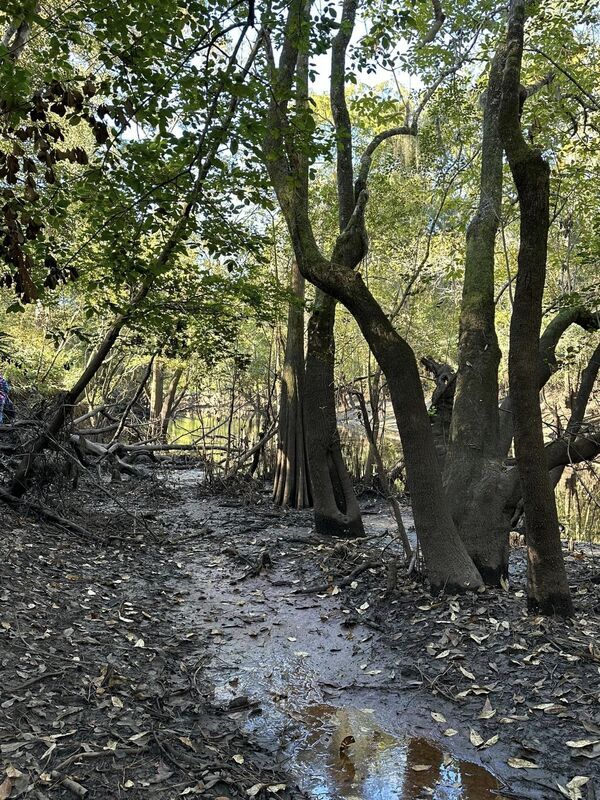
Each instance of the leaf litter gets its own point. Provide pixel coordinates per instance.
(101, 690)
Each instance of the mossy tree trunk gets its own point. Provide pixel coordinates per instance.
(472, 470)
(548, 588)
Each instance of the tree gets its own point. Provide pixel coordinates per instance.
(449, 566)
(548, 587)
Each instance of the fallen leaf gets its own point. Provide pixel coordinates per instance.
(239, 759)
(254, 790)
(491, 741)
(521, 763)
(466, 673)
(450, 732)
(187, 742)
(438, 717)
(421, 767)
(582, 743)
(475, 738)
(487, 712)
(5, 788)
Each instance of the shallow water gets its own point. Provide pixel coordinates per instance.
(346, 755)
(313, 692)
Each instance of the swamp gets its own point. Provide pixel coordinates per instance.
(299, 400)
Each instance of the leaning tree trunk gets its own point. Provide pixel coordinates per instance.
(335, 505)
(448, 563)
(291, 485)
(548, 588)
(25, 471)
(472, 471)
(169, 403)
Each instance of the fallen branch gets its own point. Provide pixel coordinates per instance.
(43, 513)
(323, 587)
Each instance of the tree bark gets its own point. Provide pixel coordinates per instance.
(335, 505)
(548, 588)
(449, 565)
(291, 486)
(472, 470)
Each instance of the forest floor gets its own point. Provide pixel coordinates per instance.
(214, 646)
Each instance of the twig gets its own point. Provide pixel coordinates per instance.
(322, 587)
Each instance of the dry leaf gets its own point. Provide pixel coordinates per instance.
(438, 717)
(187, 742)
(466, 673)
(521, 763)
(487, 712)
(475, 738)
(239, 759)
(254, 790)
(450, 732)
(583, 743)
(421, 767)
(491, 741)
(5, 788)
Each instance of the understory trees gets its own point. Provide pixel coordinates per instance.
(141, 153)
(462, 521)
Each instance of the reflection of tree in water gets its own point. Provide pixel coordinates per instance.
(352, 765)
(448, 778)
(360, 760)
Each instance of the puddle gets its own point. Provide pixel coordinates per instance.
(298, 677)
(345, 755)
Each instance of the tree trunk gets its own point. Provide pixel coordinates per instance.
(336, 508)
(168, 403)
(449, 566)
(291, 486)
(472, 471)
(548, 588)
(156, 394)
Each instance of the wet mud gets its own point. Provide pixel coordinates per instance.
(306, 684)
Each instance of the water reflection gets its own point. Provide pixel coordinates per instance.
(345, 755)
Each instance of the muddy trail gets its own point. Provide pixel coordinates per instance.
(213, 646)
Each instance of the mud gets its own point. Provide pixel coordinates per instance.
(321, 688)
(223, 638)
